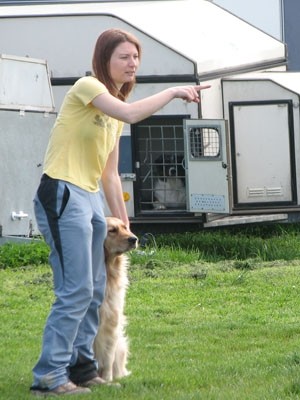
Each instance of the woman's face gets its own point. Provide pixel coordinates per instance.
(123, 63)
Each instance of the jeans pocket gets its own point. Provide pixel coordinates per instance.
(64, 201)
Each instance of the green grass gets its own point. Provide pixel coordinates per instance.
(200, 331)
(265, 242)
(222, 330)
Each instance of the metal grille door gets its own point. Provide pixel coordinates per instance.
(160, 166)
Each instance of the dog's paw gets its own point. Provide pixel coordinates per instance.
(114, 384)
(159, 206)
(110, 382)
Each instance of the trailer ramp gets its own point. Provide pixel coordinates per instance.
(218, 221)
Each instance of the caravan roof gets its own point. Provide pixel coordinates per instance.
(216, 41)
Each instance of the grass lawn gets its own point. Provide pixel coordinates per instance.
(223, 330)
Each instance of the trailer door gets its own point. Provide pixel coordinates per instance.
(207, 169)
(263, 162)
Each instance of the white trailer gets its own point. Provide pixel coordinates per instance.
(227, 171)
(26, 117)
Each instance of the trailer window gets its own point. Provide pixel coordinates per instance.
(204, 142)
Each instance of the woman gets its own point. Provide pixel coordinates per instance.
(84, 149)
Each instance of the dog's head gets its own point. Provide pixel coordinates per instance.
(170, 165)
(119, 239)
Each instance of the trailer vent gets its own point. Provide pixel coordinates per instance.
(203, 202)
(256, 192)
(275, 191)
(204, 142)
(265, 191)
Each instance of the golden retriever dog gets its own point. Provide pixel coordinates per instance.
(111, 343)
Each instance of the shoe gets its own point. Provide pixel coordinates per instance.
(93, 382)
(67, 388)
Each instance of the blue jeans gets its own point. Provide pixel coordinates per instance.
(73, 224)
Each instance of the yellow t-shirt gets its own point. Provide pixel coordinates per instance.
(82, 137)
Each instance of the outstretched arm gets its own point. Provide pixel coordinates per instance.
(141, 109)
